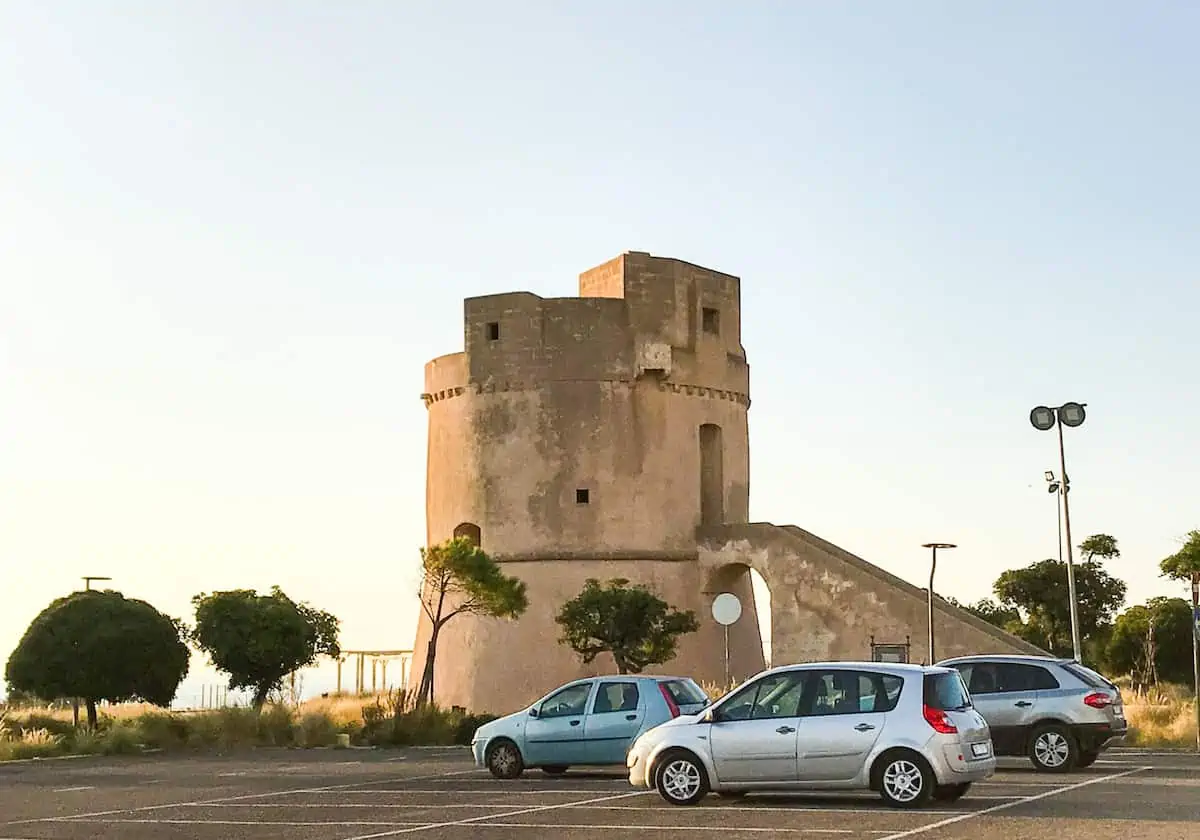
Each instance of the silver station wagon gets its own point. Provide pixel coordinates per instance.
(1058, 713)
(908, 732)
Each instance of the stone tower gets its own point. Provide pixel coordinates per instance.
(606, 435)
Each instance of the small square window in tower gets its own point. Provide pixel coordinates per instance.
(581, 496)
(711, 320)
(493, 330)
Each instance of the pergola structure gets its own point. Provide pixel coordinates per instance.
(377, 657)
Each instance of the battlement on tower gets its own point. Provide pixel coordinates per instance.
(636, 315)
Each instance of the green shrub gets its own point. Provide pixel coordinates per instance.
(275, 726)
(316, 729)
(163, 731)
(16, 750)
(428, 725)
(122, 738)
(34, 720)
(467, 726)
(85, 742)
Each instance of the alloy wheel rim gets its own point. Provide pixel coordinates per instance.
(502, 759)
(681, 779)
(902, 780)
(1051, 749)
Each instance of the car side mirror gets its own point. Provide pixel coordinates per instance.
(708, 716)
(533, 712)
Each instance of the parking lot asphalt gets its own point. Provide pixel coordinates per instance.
(438, 795)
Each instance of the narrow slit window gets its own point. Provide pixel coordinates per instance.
(581, 496)
(711, 319)
(493, 330)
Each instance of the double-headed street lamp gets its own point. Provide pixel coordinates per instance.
(933, 568)
(1043, 419)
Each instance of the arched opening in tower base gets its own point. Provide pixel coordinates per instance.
(747, 652)
(762, 608)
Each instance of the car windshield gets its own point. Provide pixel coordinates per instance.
(685, 692)
(946, 692)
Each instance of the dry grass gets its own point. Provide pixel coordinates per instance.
(1162, 717)
(378, 719)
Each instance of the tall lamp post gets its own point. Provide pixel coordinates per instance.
(933, 568)
(1196, 649)
(1043, 419)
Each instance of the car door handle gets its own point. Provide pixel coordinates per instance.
(1022, 703)
(864, 727)
(783, 730)
(574, 723)
(630, 717)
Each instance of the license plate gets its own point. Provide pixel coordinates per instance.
(979, 750)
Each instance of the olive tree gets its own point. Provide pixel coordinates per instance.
(630, 622)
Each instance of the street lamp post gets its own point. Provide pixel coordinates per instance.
(1043, 419)
(1196, 649)
(933, 568)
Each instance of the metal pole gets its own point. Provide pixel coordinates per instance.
(1062, 460)
(726, 686)
(1196, 649)
(932, 569)
(1058, 508)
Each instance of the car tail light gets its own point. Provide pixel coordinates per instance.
(671, 704)
(939, 720)
(1098, 700)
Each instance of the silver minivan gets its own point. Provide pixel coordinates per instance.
(908, 732)
(1058, 713)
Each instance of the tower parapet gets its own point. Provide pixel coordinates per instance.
(575, 424)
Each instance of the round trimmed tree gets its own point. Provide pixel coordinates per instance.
(100, 645)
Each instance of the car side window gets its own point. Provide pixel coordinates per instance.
(770, 697)
(878, 692)
(740, 705)
(570, 701)
(982, 678)
(616, 697)
(1020, 677)
(778, 696)
(851, 692)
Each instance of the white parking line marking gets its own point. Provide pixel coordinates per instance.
(995, 808)
(73, 789)
(268, 794)
(488, 791)
(148, 821)
(681, 828)
(477, 820)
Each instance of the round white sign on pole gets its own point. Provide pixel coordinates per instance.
(726, 608)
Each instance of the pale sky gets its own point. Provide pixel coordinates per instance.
(231, 235)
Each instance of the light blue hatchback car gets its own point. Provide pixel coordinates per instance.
(590, 722)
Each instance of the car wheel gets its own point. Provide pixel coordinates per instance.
(554, 769)
(951, 793)
(504, 760)
(906, 781)
(680, 778)
(1087, 759)
(1053, 750)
